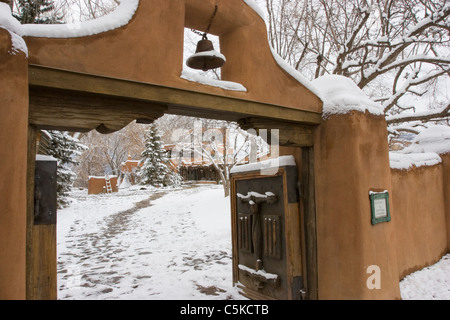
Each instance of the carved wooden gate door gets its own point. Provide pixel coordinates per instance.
(266, 234)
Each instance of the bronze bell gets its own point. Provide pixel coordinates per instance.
(205, 57)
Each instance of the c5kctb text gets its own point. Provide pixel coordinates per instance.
(229, 309)
(237, 309)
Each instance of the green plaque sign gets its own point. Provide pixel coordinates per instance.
(379, 205)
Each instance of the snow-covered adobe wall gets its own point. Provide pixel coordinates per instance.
(421, 228)
(98, 185)
(143, 41)
(421, 200)
(352, 161)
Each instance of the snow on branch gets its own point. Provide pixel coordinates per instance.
(422, 116)
(411, 60)
(411, 81)
(391, 51)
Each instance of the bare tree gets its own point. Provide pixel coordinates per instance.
(396, 50)
(106, 153)
(82, 10)
(224, 145)
(221, 144)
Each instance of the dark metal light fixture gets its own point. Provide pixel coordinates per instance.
(205, 57)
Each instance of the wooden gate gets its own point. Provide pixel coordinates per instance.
(267, 262)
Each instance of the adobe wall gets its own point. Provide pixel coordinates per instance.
(98, 185)
(446, 178)
(352, 159)
(13, 169)
(418, 204)
(150, 49)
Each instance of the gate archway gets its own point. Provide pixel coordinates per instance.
(103, 81)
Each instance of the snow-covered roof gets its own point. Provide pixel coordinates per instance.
(341, 95)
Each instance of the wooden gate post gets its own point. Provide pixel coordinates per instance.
(307, 193)
(41, 256)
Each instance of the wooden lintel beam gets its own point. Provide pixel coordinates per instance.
(206, 103)
(80, 111)
(290, 134)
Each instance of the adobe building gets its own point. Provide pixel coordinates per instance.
(339, 218)
(128, 170)
(105, 184)
(130, 165)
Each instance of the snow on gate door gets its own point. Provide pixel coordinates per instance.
(266, 234)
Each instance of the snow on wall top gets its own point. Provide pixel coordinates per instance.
(282, 161)
(8, 22)
(227, 85)
(115, 19)
(101, 177)
(41, 157)
(425, 149)
(405, 161)
(434, 139)
(283, 64)
(341, 95)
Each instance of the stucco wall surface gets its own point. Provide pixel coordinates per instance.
(352, 159)
(419, 208)
(150, 49)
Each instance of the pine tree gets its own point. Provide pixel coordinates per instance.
(155, 170)
(63, 147)
(37, 11)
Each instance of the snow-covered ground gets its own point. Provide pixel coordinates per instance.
(167, 245)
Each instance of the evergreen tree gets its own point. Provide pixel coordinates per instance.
(155, 170)
(63, 147)
(37, 11)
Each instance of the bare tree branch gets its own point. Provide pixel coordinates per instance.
(424, 116)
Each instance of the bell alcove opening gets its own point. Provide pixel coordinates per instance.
(191, 38)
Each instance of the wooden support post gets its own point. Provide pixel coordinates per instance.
(31, 157)
(309, 223)
(41, 240)
(13, 154)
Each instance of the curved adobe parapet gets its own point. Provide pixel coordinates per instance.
(149, 48)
